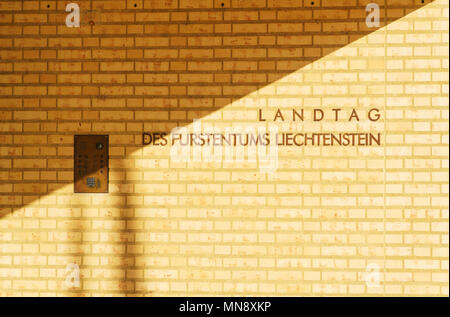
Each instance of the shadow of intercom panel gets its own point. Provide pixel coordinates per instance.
(91, 163)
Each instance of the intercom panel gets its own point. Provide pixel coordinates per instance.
(91, 166)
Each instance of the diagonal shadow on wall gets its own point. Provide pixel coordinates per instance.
(238, 74)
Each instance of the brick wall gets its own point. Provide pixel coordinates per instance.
(327, 220)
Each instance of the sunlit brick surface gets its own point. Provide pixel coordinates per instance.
(318, 225)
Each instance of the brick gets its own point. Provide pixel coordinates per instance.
(160, 4)
(250, 28)
(29, 163)
(201, 66)
(196, 4)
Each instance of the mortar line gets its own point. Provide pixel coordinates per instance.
(384, 148)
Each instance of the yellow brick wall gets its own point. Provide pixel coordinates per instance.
(327, 221)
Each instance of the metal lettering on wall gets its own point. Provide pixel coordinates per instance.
(91, 166)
